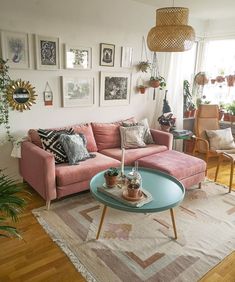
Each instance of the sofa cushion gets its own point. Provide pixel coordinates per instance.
(51, 143)
(85, 129)
(66, 174)
(131, 155)
(132, 136)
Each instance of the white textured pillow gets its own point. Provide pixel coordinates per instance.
(132, 137)
(221, 139)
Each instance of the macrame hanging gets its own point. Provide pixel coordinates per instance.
(154, 72)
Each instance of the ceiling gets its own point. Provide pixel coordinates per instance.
(199, 9)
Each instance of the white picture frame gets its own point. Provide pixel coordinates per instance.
(107, 54)
(78, 57)
(15, 49)
(47, 52)
(114, 88)
(127, 55)
(77, 91)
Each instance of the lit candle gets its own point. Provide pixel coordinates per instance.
(123, 160)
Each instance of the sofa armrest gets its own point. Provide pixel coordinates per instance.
(37, 167)
(162, 138)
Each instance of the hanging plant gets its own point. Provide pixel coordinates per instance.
(157, 81)
(4, 106)
(142, 88)
(144, 66)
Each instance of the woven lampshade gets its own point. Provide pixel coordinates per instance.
(171, 33)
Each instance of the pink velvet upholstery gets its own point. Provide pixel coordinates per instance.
(188, 169)
(162, 138)
(85, 170)
(131, 155)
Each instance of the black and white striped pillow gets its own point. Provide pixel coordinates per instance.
(50, 143)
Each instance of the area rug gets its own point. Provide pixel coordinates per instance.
(140, 247)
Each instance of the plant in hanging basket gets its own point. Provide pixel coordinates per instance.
(142, 88)
(230, 80)
(144, 66)
(201, 78)
(158, 81)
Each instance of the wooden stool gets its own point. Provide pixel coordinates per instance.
(231, 158)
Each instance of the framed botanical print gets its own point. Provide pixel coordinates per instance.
(114, 88)
(15, 48)
(127, 53)
(47, 52)
(78, 91)
(77, 57)
(107, 54)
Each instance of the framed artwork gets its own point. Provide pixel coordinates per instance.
(77, 57)
(107, 54)
(127, 53)
(15, 48)
(78, 91)
(47, 52)
(114, 89)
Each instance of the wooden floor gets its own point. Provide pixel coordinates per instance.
(37, 258)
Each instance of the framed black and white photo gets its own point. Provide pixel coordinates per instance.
(78, 91)
(107, 54)
(127, 53)
(15, 49)
(114, 88)
(47, 52)
(77, 57)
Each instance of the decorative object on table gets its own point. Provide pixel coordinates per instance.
(123, 162)
(156, 80)
(78, 91)
(15, 49)
(114, 88)
(144, 64)
(111, 177)
(47, 52)
(172, 32)
(134, 183)
(20, 95)
(5, 81)
(107, 54)
(127, 54)
(77, 57)
(48, 95)
(189, 105)
(11, 204)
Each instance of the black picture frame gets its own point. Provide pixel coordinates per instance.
(107, 54)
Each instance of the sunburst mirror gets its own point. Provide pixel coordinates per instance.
(21, 95)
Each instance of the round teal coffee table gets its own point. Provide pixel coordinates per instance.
(167, 193)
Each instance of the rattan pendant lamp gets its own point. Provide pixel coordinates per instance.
(172, 32)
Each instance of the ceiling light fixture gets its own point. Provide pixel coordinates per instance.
(172, 32)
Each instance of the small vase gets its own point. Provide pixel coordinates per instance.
(111, 181)
(133, 192)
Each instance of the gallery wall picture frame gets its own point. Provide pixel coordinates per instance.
(15, 49)
(47, 52)
(107, 54)
(77, 91)
(127, 54)
(114, 88)
(78, 57)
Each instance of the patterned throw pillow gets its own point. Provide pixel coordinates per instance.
(132, 136)
(50, 143)
(148, 139)
(221, 139)
(75, 148)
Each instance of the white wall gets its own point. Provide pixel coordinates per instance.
(76, 22)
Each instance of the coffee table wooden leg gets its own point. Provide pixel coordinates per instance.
(101, 222)
(173, 222)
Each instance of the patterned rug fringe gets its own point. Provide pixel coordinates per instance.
(56, 238)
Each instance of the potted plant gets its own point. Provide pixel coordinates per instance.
(142, 88)
(166, 121)
(144, 66)
(189, 106)
(201, 78)
(231, 111)
(133, 185)
(11, 205)
(230, 80)
(157, 81)
(110, 176)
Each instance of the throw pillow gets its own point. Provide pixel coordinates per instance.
(132, 136)
(50, 143)
(75, 148)
(221, 139)
(148, 139)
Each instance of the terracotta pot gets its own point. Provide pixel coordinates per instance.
(133, 193)
(142, 90)
(193, 113)
(187, 114)
(230, 80)
(221, 114)
(232, 118)
(111, 181)
(154, 83)
(226, 117)
(220, 79)
(213, 81)
(201, 79)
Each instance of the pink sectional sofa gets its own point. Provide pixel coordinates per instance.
(53, 181)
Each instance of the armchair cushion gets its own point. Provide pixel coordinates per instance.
(220, 139)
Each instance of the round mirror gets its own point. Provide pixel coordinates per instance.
(20, 95)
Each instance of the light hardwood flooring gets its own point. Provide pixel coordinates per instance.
(37, 258)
